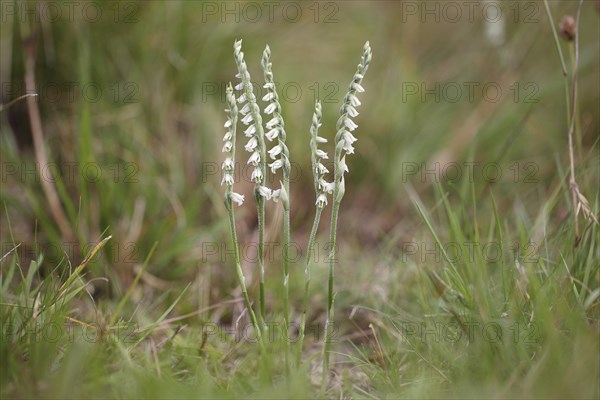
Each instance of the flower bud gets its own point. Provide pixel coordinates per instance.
(283, 196)
(567, 28)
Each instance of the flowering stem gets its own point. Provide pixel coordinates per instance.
(311, 241)
(343, 146)
(280, 154)
(261, 168)
(230, 197)
(330, 292)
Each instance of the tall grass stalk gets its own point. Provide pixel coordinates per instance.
(578, 200)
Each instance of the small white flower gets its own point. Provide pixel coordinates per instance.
(270, 108)
(227, 164)
(269, 85)
(242, 98)
(265, 192)
(358, 76)
(275, 195)
(321, 201)
(321, 139)
(351, 111)
(326, 186)
(321, 169)
(228, 136)
(240, 85)
(239, 76)
(272, 134)
(354, 101)
(227, 124)
(251, 130)
(247, 119)
(356, 86)
(246, 109)
(348, 137)
(275, 151)
(227, 179)
(254, 158)
(348, 148)
(227, 147)
(342, 165)
(269, 96)
(283, 194)
(251, 145)
(275, 165)
(272, 123)
(321, 154)
(237, 198)
(350, 124)
(256, 175)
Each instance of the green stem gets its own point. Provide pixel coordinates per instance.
(331, 294)
(311, 242)
(260, 206)
(556, 41)
(240, 273)
(286, 258)
(576, 115)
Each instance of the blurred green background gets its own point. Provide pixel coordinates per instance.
(137, 89)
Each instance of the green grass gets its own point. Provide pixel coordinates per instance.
(153, 313)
